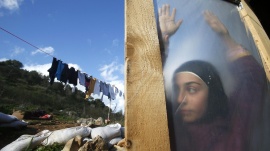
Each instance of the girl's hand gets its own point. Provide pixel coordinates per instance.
(167, 22)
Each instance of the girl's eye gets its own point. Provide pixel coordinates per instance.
(191, 90)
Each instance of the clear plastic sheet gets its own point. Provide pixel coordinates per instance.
(219, 100)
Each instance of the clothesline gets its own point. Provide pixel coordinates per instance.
(63, 73)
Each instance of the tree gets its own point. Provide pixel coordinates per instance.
(34, 78)
(12, 63)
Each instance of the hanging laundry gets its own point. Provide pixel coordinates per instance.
(102, 85)
(116, 91)
(101, 97)
(59, 70)
(81, 77)
(106, 90)
(97, 87)
(91, 85)
(72, 76)
(111, 92)
(87, 82)
(53, 70)
(64, 73)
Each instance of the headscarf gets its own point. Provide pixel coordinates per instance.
(217, 99)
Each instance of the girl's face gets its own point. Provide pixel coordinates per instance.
(192, 96)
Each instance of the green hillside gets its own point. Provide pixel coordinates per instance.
(30, 91)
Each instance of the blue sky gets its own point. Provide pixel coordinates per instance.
(86, 34)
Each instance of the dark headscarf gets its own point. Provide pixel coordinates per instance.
(217, 99)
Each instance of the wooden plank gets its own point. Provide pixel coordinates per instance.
(260, 37)
(146, 124)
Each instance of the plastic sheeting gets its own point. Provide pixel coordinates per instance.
(107, 132)
(246, 126)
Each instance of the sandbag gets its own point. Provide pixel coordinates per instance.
(114, 141)
(108, 132)
(97, 144)
(73, 144)
(64, 135)
(27, 141)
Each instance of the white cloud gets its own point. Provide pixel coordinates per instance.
(43, 69)
(77, 67)
(10, 4)
(48, 50)
(3, 59)
(16, 51)
(108, 71)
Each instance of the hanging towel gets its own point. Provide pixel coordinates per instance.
(91, 85)
(101, 86)
(97, 87)
(111, 92)
(106, 90)
(81, 77)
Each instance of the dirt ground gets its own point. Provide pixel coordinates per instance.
(9, 135)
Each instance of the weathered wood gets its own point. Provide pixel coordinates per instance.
(146, 124)
(260, 37)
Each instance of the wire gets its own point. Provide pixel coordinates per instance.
(25, 41)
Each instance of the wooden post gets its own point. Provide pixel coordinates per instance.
(260, 37)
(146, 124)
